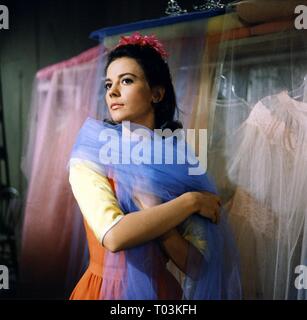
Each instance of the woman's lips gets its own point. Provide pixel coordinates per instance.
(116, 106)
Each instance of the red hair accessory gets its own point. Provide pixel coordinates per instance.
(137, 38)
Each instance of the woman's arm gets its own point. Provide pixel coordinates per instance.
(150, 223)
(117, 231)
(174, 245)
(177, 249)
(154, 220)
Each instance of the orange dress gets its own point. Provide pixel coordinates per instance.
(89, 286)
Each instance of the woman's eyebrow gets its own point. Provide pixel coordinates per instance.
(122, 75)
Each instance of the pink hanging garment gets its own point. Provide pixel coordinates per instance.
(268, 160)
(53, 240)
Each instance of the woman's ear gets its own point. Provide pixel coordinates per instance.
(158, 94)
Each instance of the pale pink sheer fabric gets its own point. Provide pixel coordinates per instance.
(53, 239)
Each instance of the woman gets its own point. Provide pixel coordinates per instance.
(161, 199)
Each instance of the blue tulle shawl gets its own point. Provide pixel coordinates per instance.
(142, 272)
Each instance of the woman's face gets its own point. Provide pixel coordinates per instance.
(128, 95)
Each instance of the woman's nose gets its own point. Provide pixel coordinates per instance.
(114, 91)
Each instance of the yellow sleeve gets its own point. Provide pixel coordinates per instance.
(95, 198)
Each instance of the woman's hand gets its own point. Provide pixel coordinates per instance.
(208, 205)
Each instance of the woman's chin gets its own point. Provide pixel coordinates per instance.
(118, 118)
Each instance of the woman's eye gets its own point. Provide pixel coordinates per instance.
(107, 86)
(127, 80)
